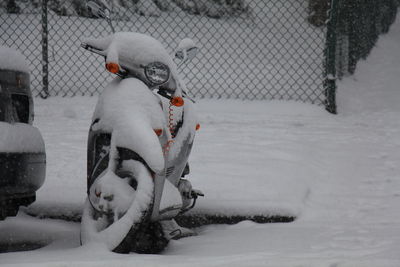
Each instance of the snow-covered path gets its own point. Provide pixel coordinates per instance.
(339, 174)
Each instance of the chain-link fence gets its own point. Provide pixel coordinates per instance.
(23, 32)
(249, 49)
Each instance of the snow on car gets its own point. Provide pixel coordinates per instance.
(22, 150)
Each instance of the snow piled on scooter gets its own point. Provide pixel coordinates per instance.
(132, 47)
(131, 112)
(116, 194)
(92, 231)
(133, 50)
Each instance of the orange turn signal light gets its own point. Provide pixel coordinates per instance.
(197, 126)
(112, 67)
(177, 101)
(158, 132)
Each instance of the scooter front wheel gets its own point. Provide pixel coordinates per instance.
(118, 208)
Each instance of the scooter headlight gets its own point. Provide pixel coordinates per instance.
(157, 73)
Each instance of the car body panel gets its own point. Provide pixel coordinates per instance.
(22, 149)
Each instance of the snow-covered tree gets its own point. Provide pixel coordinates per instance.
(123, 9)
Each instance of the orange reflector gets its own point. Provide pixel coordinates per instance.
(112, 67)
(158, 132)
(177, 101)
(197, 126)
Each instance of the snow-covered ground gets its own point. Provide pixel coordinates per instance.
(340, 175)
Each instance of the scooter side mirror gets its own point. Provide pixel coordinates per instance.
(187, 50)
(99, 11)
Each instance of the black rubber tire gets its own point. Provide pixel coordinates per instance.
(148, 238)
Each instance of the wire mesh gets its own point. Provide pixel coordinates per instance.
(248, 49)
(23, 32)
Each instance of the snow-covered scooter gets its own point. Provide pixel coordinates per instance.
(139, 142)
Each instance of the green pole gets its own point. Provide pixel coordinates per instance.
(45, 57)
(330, 54)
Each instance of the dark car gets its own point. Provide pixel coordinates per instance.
(22, 150)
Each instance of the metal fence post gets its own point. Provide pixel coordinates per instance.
(330, 59)
(45, 57)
